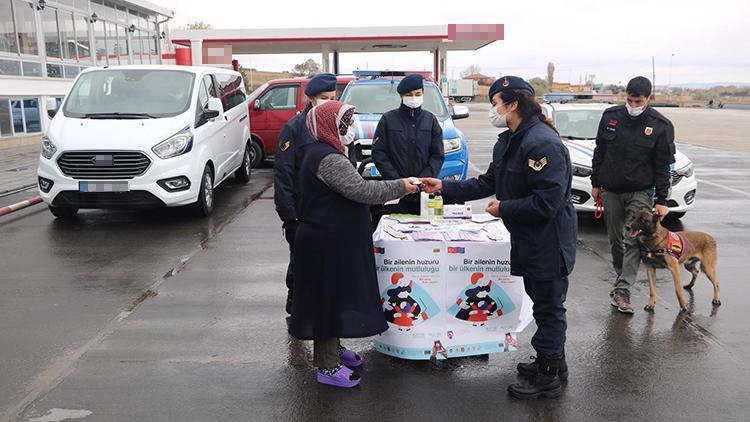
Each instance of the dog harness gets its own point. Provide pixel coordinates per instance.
(675, 246)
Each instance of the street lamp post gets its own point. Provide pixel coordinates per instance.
(669, 83)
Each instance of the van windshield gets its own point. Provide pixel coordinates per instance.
(379, 98)
(130, 94)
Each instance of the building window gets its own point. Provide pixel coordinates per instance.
(51, 35)
(8, 41)
(67, 34)
(71, 71)
(54, 70)
(113, 52)
(31, 115)
(32, 69)
(76, 4)
(26, 27)
(10, 68)
(16, 107)
(19, 116)
(6, 125)
(122, 47)
(82, 38)
(100, 41)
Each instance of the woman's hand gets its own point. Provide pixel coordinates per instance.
(493, 208)
(431, 185)
(409, 186)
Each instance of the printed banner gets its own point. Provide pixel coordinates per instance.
(448, 299)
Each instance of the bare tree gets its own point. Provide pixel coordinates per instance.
(199, 25)
(309, 67)
(550, 73)
(471, 70)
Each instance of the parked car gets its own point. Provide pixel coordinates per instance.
(145, 136)
(578, 124)
(374, 93)
(272, 105)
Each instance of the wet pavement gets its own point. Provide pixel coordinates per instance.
(94, 319)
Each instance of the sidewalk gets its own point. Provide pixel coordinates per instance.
(18, 167)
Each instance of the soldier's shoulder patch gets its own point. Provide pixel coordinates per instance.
(285, 145)
(538, 165)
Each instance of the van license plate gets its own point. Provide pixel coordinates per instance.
(103, 186)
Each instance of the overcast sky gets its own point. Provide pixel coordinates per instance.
(613, 40)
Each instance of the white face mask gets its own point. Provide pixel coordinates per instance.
(349, 137)
(497, 120)
(634, 111)
(320, 101)
(413, 102)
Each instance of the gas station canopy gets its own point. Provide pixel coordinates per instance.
(437, 39)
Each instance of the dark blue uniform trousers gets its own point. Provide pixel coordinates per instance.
(549, 313)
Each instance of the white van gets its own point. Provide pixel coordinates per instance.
(145, 136)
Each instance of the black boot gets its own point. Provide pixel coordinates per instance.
(530, 369)
(545, 383)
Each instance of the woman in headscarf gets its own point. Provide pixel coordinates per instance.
(336, 292)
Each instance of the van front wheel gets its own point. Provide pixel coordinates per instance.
(205, 204)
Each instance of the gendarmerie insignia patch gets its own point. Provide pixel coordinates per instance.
(649, 130)
(285, 145)
(539, 164)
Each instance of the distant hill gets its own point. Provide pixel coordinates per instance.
(710, 85)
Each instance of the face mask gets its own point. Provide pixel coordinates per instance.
(497, 120)
(320, 101)
(413, 102)
(349, 137)
(634, 111)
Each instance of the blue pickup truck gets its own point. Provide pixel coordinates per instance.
(374, 93)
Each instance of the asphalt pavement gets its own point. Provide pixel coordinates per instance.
(159, 316)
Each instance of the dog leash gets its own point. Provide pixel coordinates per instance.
(598, 208)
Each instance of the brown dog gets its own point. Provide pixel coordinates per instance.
(662, 249)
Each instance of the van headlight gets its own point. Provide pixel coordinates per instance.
(581, 170)
(48, 148)
(178, 144)
(686, 171)
(450, 145)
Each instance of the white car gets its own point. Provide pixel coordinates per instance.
(578, 124)
(145, 136)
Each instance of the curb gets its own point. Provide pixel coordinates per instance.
(20, 205)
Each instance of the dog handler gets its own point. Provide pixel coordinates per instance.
(530, 177)
(634, 148)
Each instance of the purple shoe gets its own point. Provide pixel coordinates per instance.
(350, 359)
(341, 378)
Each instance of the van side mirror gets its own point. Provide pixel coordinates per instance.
(51, 107)
(256, 105)
(214, 109)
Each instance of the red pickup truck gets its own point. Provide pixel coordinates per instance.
(272, 105)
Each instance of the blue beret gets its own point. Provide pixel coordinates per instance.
(322, 82)
(510, 82)
(410, 83)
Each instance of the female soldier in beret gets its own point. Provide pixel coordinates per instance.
(530, 177)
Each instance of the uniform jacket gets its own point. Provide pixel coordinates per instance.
(530, 175)
(634, 153)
